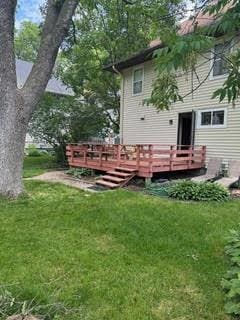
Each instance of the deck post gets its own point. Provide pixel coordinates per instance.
(148, 181)
(190, 155)
(171, 157)
(118, 154)
(85, 154)
(100, 156)
(204, 148)
(138, 156)
(150, 148)
(72, 153)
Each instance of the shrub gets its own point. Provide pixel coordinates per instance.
(203, 191)
(32, 151)
(79, 172)
(231, 282)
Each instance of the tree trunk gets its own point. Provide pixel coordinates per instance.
(13, 129)
(17, 106)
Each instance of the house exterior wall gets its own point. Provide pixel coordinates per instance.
(156, 127)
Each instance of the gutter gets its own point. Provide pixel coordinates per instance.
(116, 70)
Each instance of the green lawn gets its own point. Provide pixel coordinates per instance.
(116, 255)
(34, 166)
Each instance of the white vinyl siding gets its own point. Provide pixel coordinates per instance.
(161, 127)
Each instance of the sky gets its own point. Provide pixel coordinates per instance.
(28, 10)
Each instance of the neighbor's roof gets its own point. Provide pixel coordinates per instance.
(186, 27)
(54, 85)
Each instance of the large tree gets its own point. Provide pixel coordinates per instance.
(58, 120)
(105, 32)
(17, 105)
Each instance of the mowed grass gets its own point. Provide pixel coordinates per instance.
(34, 166)
(116, 255)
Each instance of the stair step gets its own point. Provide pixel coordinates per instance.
(107, 184)
(126, 169)
(113, 178)
(118, 173)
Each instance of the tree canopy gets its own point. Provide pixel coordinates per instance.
(105, 32)
(27, 41)
(60, 120)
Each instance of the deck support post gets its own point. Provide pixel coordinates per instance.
(203, 155)
(100, 156)
(118, 154)
(190, 155)
(72, 153)
(148, 181)
(171, 157)
(85, 155)
(138, 157)
(150, 149)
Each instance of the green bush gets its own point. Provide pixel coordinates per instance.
(79, 172)
(203, 191)
(231, 282)
(32, 151)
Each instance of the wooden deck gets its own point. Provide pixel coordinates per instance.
(146, 159)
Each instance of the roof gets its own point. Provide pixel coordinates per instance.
(54, 85)
(186, 27)
(138, 58)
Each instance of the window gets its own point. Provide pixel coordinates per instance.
(137, 81)
(212, 118)
(219, 67)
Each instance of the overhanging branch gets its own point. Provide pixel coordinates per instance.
(7, 56)
(56, 26)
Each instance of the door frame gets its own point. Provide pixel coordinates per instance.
(193, 127)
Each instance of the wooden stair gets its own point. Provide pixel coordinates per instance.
(117, 178)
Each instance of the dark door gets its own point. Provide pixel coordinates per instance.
(186, 128)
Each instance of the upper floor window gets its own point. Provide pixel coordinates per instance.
(138, 81)
(221, 51)
(212, 118)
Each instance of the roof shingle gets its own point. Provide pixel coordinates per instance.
(23, 69)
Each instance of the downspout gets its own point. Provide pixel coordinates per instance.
(121, 102)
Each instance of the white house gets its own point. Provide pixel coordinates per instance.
(199, 120)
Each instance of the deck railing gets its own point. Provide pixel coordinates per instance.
(148, 157)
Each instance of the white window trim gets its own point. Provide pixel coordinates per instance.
(133, 70)
(210, 126)
(220, 76)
